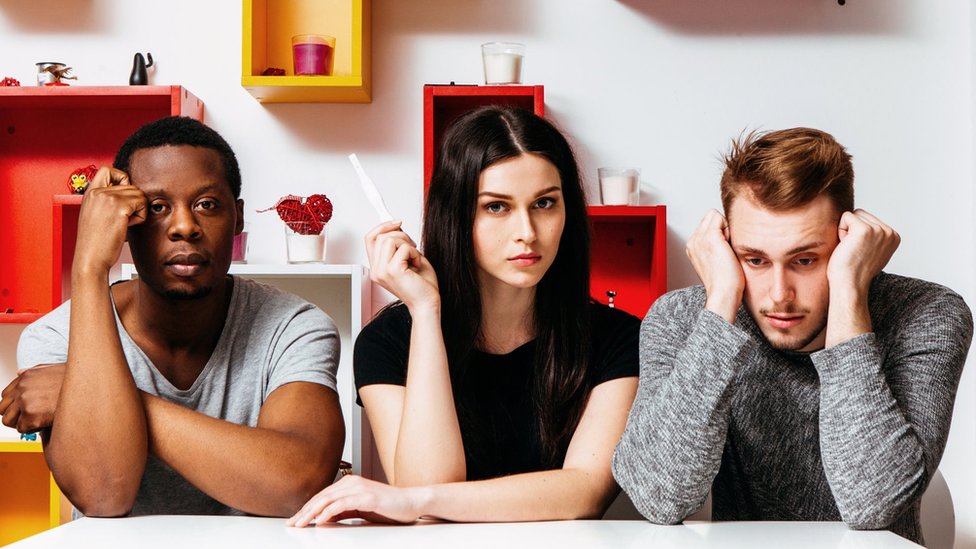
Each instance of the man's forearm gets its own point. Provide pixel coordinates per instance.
(98, 445)
(848, 315)
(872, 456)
(672, 447)
(256, 470)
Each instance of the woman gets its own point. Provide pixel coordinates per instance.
(496, 390)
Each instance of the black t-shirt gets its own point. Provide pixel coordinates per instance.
(499, 426)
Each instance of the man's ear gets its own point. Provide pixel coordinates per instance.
(239, 228)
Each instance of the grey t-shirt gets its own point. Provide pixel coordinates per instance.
(270, 338)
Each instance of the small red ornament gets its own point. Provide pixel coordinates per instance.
(304, 215)
(9, 82)
(273, 71)
(79, 179)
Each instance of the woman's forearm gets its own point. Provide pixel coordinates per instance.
(428, 445)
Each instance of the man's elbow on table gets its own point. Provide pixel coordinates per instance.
(110, 500)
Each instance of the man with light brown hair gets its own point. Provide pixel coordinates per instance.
(799, 381)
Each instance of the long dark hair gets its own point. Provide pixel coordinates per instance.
(474, 142)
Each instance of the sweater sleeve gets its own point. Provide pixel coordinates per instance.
(672, 446)
(885, 412)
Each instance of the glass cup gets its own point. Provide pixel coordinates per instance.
(314, 54)
(503, 62)
(239, 254)
(303, 244)
(619, 186)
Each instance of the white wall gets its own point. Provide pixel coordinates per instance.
(654, 83)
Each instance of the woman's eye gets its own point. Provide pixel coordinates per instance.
(545, 203)
(495, 207)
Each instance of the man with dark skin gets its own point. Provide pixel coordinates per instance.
(248, 420)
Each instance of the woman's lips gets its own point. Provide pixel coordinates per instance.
(525, 260)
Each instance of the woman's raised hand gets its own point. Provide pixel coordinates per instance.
(398, 266)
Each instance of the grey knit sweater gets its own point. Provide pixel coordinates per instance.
(850, 433)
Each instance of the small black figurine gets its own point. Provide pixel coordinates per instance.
(140, 76)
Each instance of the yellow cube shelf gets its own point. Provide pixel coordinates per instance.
(268, 26)
(30, 501)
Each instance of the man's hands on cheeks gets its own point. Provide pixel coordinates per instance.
(717, 265)
(110, 206)
(356, 497)
(866, 245)
(29, 401)
(399, 267)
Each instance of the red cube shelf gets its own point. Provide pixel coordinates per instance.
(629, 255)
(442, 104)
(45, 134)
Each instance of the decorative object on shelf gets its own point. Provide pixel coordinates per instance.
(239, 254)
(305, 222)
(314, 54)
(619, 186)
(51, 73)
(30, 437)
(610, 295)
(503, 62)
(273, 71)
(302, 245)
(79, 179)
(140, 70)
(9, 82)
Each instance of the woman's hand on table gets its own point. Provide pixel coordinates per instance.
(356, 497)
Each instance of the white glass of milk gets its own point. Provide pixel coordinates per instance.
(303, 246)
(619, 186)
(503, 62)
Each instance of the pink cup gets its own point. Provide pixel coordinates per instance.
(313, 54)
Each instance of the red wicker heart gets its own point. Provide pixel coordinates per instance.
(304, 215)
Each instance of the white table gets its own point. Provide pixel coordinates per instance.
(178, 532)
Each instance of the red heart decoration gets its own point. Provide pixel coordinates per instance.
(304, 215)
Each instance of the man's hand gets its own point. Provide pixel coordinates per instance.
(717, 265)
(866, 245)
(29, 401)
(111, 205)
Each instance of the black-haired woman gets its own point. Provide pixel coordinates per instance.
(496, 388)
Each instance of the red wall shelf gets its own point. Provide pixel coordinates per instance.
(629, 255)
(442, 104)
(45, 134)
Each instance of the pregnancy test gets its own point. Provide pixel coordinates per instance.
(370, 190)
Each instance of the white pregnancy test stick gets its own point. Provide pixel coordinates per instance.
(370, 190)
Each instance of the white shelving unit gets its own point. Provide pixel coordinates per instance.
(344, 293)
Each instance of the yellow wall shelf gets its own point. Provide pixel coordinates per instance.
(30, 501)
(268, 26)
